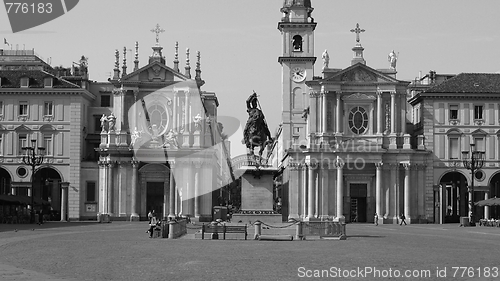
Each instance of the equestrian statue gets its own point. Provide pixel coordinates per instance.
(256, 133)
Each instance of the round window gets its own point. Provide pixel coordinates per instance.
(22, 172)
(358, 120)
(158, 117)
(479, 175)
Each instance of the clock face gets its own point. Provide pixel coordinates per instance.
(298, 74)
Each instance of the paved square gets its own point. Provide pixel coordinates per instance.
(122, 251)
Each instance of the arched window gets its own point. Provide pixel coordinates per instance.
(297, 43)
(358, 120)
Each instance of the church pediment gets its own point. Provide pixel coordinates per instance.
(359, 96)
(154, 72)
(360, 73)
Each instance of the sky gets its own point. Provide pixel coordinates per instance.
(240, 43)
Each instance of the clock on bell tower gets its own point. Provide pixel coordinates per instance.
(297, 62)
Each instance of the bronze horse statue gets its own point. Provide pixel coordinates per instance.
(256, 133)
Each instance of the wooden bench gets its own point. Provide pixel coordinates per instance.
(223, 229)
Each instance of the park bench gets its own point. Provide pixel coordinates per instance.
(223, 229)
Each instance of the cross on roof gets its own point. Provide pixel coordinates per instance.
(357, 30)
(157, 30)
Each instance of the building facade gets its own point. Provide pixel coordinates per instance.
(146, 139)
(357, 144)
(451, 114)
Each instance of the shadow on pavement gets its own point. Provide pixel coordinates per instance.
(45, 225)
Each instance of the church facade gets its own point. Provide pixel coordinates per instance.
(147, 139)
(344, 147)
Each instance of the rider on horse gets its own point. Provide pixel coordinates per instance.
(256, 132)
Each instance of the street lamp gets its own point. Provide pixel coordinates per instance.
(33, 158)
(472, 163)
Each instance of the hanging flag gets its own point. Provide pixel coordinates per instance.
(5, 42)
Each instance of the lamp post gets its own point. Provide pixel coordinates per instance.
(33, 158)
(472, 163)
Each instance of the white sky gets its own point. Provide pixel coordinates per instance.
(240, 44)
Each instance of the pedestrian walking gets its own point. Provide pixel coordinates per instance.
(403, 219)
(375, 219)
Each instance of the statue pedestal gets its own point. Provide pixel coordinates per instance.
(257, 196)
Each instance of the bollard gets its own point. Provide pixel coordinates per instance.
(171, 228)
(258, 229)
(299, 231)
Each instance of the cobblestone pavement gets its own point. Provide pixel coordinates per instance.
(123, 251)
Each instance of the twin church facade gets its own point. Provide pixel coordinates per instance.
(353, 142)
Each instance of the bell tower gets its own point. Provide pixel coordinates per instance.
(297, 62)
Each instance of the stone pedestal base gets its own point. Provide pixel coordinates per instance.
(134, 217)
(251, 218)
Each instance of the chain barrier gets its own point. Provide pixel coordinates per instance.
(197, 227)
(312, 225)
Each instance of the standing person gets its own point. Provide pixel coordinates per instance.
(152, 224)
(151, 214)
(403, 219)
(376, 219)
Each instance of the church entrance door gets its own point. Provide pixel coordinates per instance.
(154, 197)
(358, 192)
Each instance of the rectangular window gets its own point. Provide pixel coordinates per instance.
(105, 100)
(454, 149)
(47, 82)
(23, 142)
(97, 124)
(23, 108)
(91, 191)
(47, 143)
(479, 144)
(25, 82)
(1, 107)
(1, 144)
(48, 108)
(478, 112)
(453, 112)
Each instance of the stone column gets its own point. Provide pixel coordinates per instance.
(324, 111)
(134, 216)
(378, 189)
(339, 114)
(486, 208)
(166, 193)
(313, 113)
(340, 189)
(174, 112)
(293, 191)
(380, 116)
(190, 196)
(407, 189)
(121, 199)
(311, 202)
(197, 195)
(393, 112)
(187, 122)
(324, 203)
(402, 105)
(109, 201)
(305, 169)
(393, 194)
(103, 186)
(171, 207)
(64, 201)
